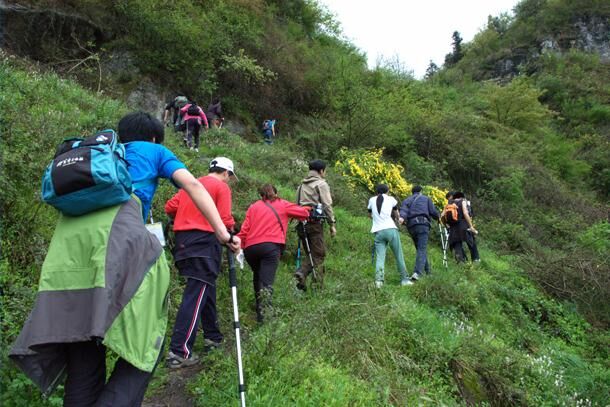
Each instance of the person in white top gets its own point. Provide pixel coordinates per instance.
(383, 209)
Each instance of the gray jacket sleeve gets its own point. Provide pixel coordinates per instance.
(327, 200)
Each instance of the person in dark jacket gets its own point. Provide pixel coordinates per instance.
(463, 231)
(415, 213)
(214, 113)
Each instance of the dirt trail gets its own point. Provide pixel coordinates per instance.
(173, 392)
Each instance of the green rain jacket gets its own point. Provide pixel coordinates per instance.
(105, 276)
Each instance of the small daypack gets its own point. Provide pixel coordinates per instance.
(451, 214)
(193, 110)
(180, 102)
(87, 174)
(267, 125)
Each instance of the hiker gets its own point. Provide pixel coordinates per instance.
(104, 284)
(214, 113)
(314, 193)
(174, 106)
(415, 213)
(269, 130)
(383, 209)
(198, 257)
(463, 230)
(194, 118)
(263, 238)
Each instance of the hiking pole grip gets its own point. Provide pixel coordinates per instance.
(232, 273)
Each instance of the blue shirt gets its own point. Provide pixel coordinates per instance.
(147, 163)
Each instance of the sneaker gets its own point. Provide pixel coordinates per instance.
(176, 362)
(378, 284)
(415, 277)
(406, 282)
(196, 149)
(191, 148)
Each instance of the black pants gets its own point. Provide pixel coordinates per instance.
(458, 248)
(263, 258)
(86, 378)
(192, 130)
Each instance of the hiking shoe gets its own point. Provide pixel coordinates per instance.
(176, 362)
(378, 284)
(209, 345)
(300, 282)
(406, 282)
(415, 277)
(196, 149)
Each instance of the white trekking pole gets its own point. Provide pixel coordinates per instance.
(240, 369)
(444, 242)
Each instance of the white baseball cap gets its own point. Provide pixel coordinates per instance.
(225, 164)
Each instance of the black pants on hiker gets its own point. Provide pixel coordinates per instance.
(458, 248)
(86, 378)
(192, 131)
(263, 258)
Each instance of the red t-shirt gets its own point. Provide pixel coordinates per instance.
(188, 217)
(261, 224)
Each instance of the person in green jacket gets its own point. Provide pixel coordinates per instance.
(104, 284)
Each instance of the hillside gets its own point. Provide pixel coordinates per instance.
(519, 119)
(471, 334)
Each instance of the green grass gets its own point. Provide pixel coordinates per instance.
(481, 334)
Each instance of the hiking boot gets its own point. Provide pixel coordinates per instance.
(378, 284)
(300, 282)
(209, 345)
(176, 362)
(406, 282)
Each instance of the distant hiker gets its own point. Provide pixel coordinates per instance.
(462, 230)
(383, 209)
(214, 113)
(269, 130)
(198, 257)
(195, 118)
(314, 192)
(415, 213)
(174, 107)
(104, 284)
(263, 237)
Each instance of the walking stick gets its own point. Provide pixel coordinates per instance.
(298, 254)
(373, 253)
(444, 243)
(233, 284)
(307, 247)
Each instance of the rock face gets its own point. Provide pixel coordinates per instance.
(147, 97)
(47, 35)
(594, 36)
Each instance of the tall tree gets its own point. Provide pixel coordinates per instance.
(453, 58)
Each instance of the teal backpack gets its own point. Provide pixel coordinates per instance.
(87, 174)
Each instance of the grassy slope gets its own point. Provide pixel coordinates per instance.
(467, 333)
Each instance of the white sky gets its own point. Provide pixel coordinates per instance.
(414, 31)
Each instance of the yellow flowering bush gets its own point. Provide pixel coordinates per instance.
(367, 168)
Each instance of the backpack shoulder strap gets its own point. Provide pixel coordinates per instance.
(276, 215)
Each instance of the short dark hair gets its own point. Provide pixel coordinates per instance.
(457, 195)
(317, 165)
(416, 189)
(140, 126)
(382, 188)
(218, 170)
(449, 194)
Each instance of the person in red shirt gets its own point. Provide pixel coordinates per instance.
(198, 257)
(263, 237)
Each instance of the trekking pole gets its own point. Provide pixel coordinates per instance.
(307, 247)
(298, 262)
(444, 242)
(373, 253)
(233, 284)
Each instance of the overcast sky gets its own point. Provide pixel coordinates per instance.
(416, 31)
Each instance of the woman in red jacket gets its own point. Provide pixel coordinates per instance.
(263, 237)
